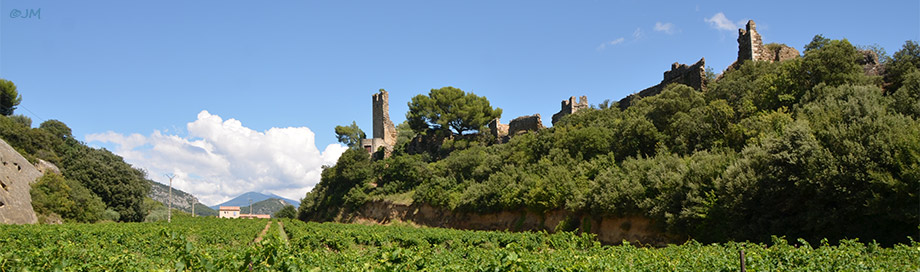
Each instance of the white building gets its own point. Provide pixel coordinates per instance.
(229, 212)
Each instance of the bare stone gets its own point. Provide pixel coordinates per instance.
(751, 47)
(870, 63)
(384, 131)
(524, 124)
(383, 127)
(44, 167)
(16, 173)
(692, 75)
(570, 107)
(498, 130)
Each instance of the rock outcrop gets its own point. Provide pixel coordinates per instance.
(16, 173)
(609, 230)
(690, 75)
(570, 106)
(870, 63)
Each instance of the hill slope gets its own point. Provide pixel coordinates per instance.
(180, 200)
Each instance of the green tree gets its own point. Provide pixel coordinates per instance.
(902, 63)
(56, 128)
(9, 97)
(449, 108)
(53, 194)
(288, 211)
(120, 186)
(350, 135)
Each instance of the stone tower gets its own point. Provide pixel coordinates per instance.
(570, 106)
(750, 45)
(383, 127)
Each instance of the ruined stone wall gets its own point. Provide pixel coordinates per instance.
(751, 47)
(383, 127)
(690, 75)
(16, 173)
(498, 130)
(525, 123)
(570, 106)
(750, 44)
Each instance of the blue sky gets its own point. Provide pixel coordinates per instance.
(133, 75)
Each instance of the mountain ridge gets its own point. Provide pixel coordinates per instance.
(243, 200)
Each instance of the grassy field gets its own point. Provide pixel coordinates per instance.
(211, 244)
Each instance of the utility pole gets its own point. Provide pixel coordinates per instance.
(250, 207)
(193, 206)
(169, 209)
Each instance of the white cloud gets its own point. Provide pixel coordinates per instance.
(611, 43)
(220, 159)
(637, 34)
(720, 22)
(664, 27)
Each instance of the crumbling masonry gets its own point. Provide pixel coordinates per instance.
(384, 130)
(692, 75)
(570, 107)
(751, 47)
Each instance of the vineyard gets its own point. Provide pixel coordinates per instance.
(210, 244)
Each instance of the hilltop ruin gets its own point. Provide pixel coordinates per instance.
(384, 134)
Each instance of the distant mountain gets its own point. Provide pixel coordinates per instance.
(243, 200)
(180, 200)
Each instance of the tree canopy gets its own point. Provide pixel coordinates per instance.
(9, 97)
(350, 135)
(450, 109)
(809, 147)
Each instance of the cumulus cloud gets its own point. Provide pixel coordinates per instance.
(664, 27)
(611, 43)
(720, 22)
(221, 159)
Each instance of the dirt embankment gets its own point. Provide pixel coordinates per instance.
(609, 230)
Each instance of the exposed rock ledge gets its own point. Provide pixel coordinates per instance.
(609, 230)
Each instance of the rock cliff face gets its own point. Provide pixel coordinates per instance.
(16, 173)
(609, 230)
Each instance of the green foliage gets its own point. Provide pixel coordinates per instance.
(9, 97)
(213, 244)
(907, 97)
(23, 120)
(449, 108)
(287, 212)
(354, 168)
(53, 194)
(809, 147)
(350, 135)
(903, 63)
(120, 186)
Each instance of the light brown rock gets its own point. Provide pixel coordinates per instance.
(16, 173)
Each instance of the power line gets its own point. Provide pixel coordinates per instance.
(33, 113)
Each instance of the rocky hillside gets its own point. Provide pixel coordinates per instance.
(180, 200)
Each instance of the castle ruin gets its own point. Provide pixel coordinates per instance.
(384, 131)
(690, 75)
(751, 47)
(570, 106)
